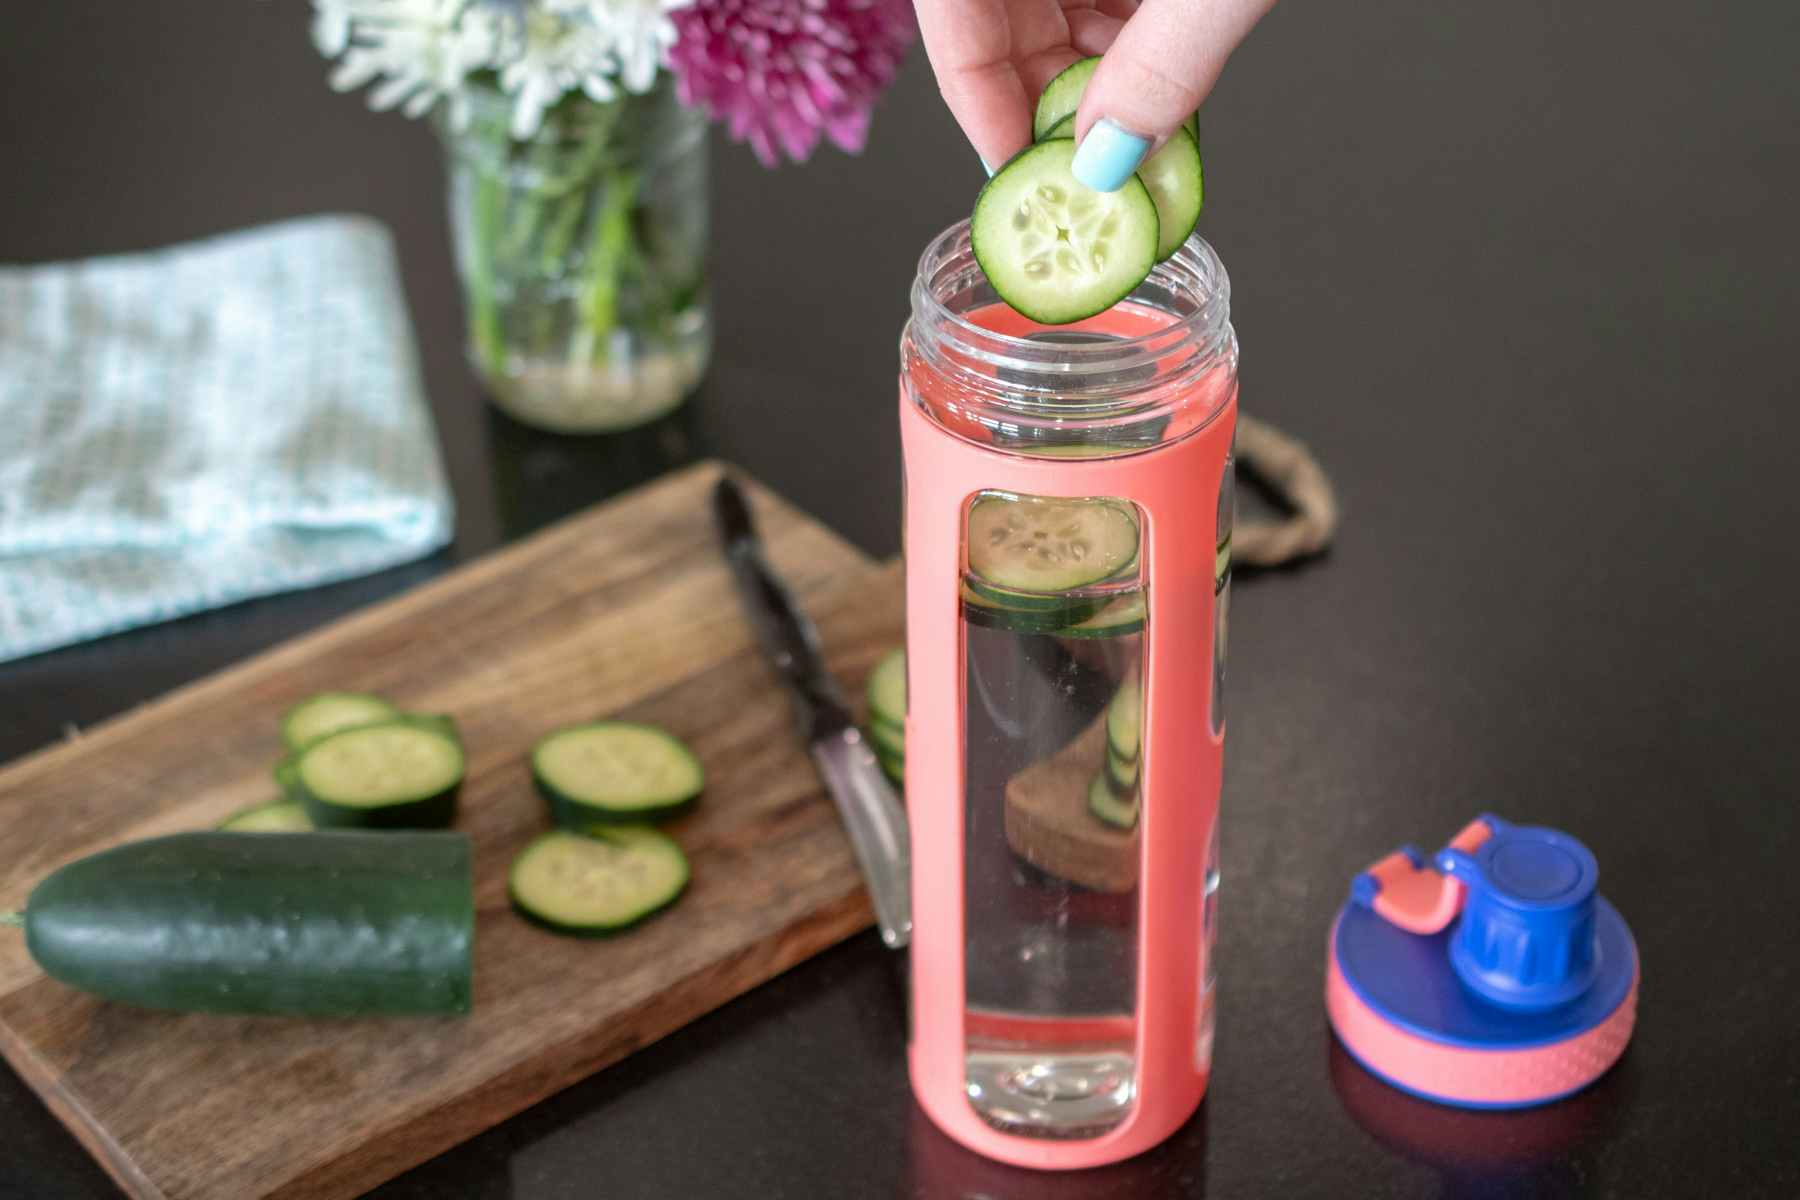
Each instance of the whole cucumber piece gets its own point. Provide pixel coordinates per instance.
(306, 924)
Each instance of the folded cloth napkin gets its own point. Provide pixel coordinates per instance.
(193, 426)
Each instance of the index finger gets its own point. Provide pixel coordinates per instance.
(969, 43)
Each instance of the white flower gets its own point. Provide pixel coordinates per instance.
(562, 45)
(423, 51)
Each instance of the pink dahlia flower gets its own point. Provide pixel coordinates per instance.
(780, 73)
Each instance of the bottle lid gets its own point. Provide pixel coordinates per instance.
(1491, 975)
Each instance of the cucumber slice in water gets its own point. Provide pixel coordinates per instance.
(398, 775)
(991, 613)
(328, 712)
(1123, 775)
(1124, 720)
(1119, 618)
(281, 816)
(602, 881)
(887, 690)
(1119, 812)
(1043, 548)
(1054, 249)
(615, 771)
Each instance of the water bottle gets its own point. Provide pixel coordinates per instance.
(1067, 541)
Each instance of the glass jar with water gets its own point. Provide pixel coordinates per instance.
(1067, 542)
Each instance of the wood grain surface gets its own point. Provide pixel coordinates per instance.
(625, 610)
(1048, 823)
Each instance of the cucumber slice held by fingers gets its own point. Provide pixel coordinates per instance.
(615, 771)
(1176, 181)
(397, 775)
(597, 882)
(1054, 249)
(1061, 97)
(328, 712)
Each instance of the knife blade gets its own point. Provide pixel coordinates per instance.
(871, 813)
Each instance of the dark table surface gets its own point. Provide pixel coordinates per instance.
(1524, 276)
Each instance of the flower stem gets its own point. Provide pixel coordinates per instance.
(484, 309)
(608, 252)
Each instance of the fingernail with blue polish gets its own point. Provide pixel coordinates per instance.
(1108, 155)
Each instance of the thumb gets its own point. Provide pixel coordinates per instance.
(1162, 65)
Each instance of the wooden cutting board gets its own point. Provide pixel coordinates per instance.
(625, 610)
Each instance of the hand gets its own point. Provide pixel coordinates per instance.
(993, 57)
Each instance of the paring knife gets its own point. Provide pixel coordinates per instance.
(871, 812)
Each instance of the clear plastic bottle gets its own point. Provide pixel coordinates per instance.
(1067, 540)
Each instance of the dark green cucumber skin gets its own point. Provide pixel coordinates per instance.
(1122, 629)
(1019, 620)
(429, 812)
(887, 739)
(566, 812)
(307, 924)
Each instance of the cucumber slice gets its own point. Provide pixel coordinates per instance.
(288, 779)
(280, 816)
(1025, 552)
(990, 613)
(1119, 618)
(1176, 182)
(1174, 175)
(614, 771)
(397, 775)
(328, 712)
(1065, 128)
(887, 739)
(598, 882)
(1121, 774)
(1124, 720)
(887, 690)
(1062, 96)
(1119, 812)
(1054, 249)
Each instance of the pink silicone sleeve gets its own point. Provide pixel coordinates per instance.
(1176, 486)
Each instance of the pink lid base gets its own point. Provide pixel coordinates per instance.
(1482, 1078)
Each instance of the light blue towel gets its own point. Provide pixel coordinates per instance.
(197, 425)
